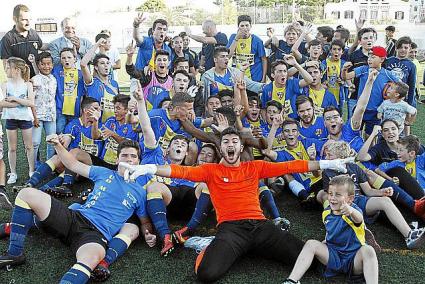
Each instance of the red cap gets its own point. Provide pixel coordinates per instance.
(379, 51)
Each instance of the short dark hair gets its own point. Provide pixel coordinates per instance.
(220, 49)
(390, 120)
(179, 137)
(302, 99)
(228, 131)
(65, 49)
(162, 52)
(101, 35)
(183, 34)
(159, 21)
(339, 43)
(128, 144)
(122, 99)
(181, 98)
(327, 32)
(88, 101)
(413, 45)
(44, 55)
(181, 72)
(18, 9)
(411, 142)
(401, 88)
(390, 28)
(225, 93)
(179, 60)
(345, 33)
(289, 121)
(361, 32)
(212, 147)
(254, 97)
(98, 57)
(274, 103)
(161, 104)
(331, 108)
(277, 63)
(343, 180)
(229, 113)
(244, 18)
(403, 40)
(314, 42)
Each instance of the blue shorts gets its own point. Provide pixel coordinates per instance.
(361, 201)
(339, 263)
(13, 124)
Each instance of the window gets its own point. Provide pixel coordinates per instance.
(363, 14)
(336, 15)
(46, 28)
(399, 15)
(385, 15)
(349, 14)
(373, 14)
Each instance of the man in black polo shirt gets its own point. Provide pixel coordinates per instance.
(21, 40)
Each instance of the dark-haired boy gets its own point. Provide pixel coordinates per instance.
(311, 124)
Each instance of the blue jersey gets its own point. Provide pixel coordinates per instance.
(342, 234)
(159, 98)
(104, 95)
(376, 96)
(113, 200)
(249, 50)
(82, 137)
(405, 70)
(300, 153)
(156, 156)
(221, 83)
(67, 85)
(352, 137)
(321, 99)
(147, 51)
(286, 96)
(285, 48)
(317, 130)
(109, 150)
(277, 145)
(416, 168)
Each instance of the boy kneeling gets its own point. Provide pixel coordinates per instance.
(344, 250)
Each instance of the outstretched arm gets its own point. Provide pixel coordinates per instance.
(144, 120)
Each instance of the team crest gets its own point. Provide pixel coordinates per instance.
(243, 45)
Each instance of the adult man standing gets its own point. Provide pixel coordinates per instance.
(211, 39)
(21, 40)
(148, 46)
(69, 39)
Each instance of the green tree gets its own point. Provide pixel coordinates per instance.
(152, 6)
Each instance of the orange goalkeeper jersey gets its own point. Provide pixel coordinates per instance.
(234, 190)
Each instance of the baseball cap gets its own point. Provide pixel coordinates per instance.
(379, 51)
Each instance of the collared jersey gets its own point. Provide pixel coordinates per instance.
(221, 83)
(286, 95)
(146, 53)
(104, 95)
(316, 130)
(321, 99)
(113, 200)
(82, 137)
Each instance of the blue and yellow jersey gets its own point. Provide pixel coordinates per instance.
(286, 96)
(300, 153)
(156, 156)
(352, 137)
(82, 138)
(249, 50)
(342, 234)
(70, 89)
(221, 83)
(146, 53)
(104, 95)
(278, 144)
(113, 201)
(332, 77)
(110, 147)
(157, 100)
(252, 124)
(317, 130)
(415, 168)
(321, 99)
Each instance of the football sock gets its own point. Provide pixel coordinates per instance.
(22, 221)
(57, 181)
(158, 213)
(43, 171)
(267, 201)
(116, 248)
(400, 195)
(203, 207)
(78, 274)
(68, 178)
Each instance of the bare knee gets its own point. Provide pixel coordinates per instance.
(27, 194)
(387, 202)
(367, 252)
(311, 245)
(90, 254)
(130, 230)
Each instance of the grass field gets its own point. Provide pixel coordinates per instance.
(48, 259)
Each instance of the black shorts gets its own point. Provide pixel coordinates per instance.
(183, 201)
(13, 124)
(70, 227)
(101, 163)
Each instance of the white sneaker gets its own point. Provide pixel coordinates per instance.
(30, 174)
(198, 243)
(416, 238)
(12, 178)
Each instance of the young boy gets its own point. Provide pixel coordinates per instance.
(395, 108)
(325, 35)
(332, 74)
(408, 159)
(343, 34)
(376, 58)
(345, 250)
(70, 89)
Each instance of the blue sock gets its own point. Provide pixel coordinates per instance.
(22, 221)
(399, 194)
(43, 171)
(303, 194)
(203, 207)
(57, 181)
(267, 201)
(78, 274)
(68, 178)
(116, 248)
(158, 213)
